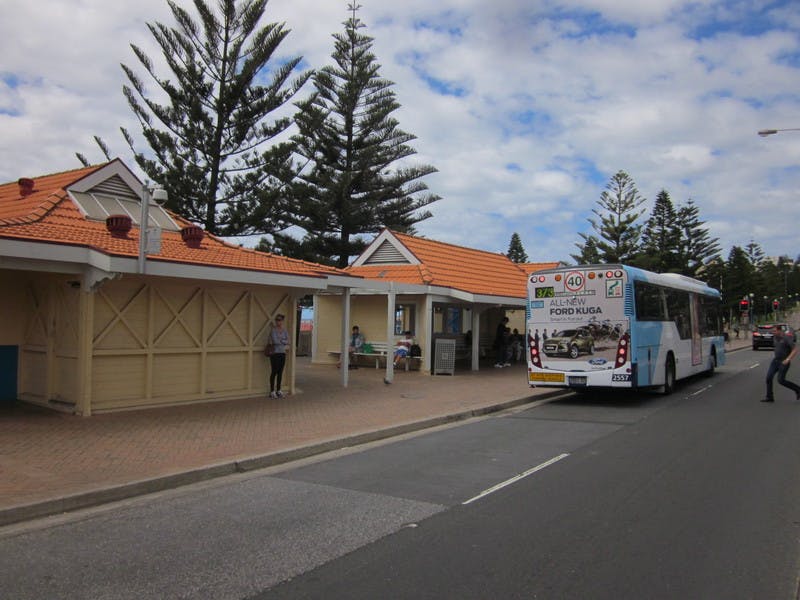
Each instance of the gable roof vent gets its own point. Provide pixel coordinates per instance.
(386, 253)
(25, 186)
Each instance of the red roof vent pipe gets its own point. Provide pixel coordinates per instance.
(192, 235)
(119, 225)
(25, 186)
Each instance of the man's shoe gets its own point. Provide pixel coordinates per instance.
(768, 400)
(272, 395)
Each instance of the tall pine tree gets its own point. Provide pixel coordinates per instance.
(213, 142)
(661, 237)
(516, 252)
(697, 248)
(618, 232)
(755, 254)
(588, 251)
(740, 280)
(356, 178)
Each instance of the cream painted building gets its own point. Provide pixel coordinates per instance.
(91, 323)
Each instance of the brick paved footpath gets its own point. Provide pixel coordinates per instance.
(51, 462)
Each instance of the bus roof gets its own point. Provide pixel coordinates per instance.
(672, 280)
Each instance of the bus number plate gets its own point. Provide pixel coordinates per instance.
(577, 380)
(621, 377)
(548, 377)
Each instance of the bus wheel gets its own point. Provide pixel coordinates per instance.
(669, 376)
(573, 351)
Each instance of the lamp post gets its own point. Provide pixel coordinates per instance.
(766, 132)
(159, 194)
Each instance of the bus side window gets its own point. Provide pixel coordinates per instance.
(679, 311)
(710, 319)
(649, 302)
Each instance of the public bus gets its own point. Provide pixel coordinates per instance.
(615, 326)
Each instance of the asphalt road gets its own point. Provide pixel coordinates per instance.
(695, 495)
(696, 498)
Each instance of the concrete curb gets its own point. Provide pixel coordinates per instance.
(46, 508)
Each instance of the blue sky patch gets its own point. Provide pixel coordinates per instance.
(448, 23)
(741, 18)
(592, 24)
(440, 86)
(10, 79)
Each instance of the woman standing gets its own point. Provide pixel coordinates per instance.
(279, 338)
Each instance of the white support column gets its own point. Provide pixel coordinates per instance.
(315, 331)
(476, 338)
(83, 404)
(291, 326)
(344, 363)
(428, 350)
(390, 308)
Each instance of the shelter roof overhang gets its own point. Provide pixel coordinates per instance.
(437, 293)
(65, 258)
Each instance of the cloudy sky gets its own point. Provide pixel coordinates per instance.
(525, 107)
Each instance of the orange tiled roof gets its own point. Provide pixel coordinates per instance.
(538, 266)
(48, 215)
(457, 267)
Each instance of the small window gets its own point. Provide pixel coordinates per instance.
(404, 319)
(452, 320)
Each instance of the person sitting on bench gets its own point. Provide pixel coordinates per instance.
(403, 347)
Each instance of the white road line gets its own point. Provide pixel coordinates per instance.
(700, 391)
(516, 478)
(754, 366)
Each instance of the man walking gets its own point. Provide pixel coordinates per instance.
(785, 351)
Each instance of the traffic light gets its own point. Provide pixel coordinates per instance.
(775, 305)
(744, 305)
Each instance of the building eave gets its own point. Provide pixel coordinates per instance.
(63, 258)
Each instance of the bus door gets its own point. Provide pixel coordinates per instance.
(647, 344)
(697, 340)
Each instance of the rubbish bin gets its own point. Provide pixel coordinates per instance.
(444, 357)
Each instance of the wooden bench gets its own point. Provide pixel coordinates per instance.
(379, 351)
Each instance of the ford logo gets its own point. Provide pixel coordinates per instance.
(598, 361)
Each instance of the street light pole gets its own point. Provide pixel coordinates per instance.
(766, 132)
(158, 194)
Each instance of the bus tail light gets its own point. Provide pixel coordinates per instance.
(623, 350)
(536, 358)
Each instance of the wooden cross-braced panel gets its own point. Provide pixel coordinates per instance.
(177, 317)
(67, 313)
(227, 317)
(37, 330)
(264, 311)
(120, 318)
(168, 341)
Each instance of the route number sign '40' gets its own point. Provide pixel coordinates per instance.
(574, 281)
